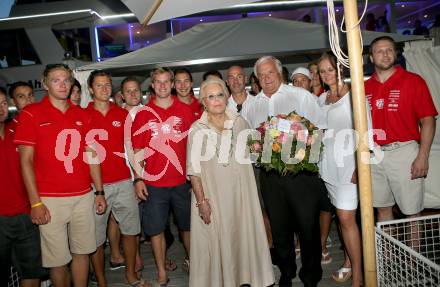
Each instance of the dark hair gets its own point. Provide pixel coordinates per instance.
(183, 71)
(253, 77)
(15, 85)
(3, 91)
(75, 84)
(381, 38)
(51, 67)
(129, 79)
(212, 73)
(97, 73)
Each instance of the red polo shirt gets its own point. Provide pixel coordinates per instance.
(54, 136)
(398, 104)
(13, 194)
(113, 165)
(196, 108)
(165, 138)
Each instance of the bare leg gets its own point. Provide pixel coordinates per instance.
(139, 261)
(325, 220)
(98, 265)
(384, 213)
(186, 242)
(352, 242)
(114, 238)
(129, 243)
(80, 269)
(414, 233)
(159, 247)
(30, 282)
(60, 276)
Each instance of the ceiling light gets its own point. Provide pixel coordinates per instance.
(270, 15)
(403, 5)
(426, 16)
(201, 20)
(138, 32)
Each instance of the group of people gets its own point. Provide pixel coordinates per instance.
(67, 170)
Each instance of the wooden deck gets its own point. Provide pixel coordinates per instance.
(179, 278)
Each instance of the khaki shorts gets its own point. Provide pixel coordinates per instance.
(391, 179)
(70, 230)
(121, 201)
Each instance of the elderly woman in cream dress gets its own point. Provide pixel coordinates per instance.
(228, 240)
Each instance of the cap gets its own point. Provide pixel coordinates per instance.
(303, 71)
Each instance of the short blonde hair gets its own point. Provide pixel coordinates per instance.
(212, 81)
(160, 71)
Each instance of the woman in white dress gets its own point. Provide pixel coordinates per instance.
(228, 240)
(338, 165)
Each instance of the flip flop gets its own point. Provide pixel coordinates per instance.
(139, 283)
(326, 258)
(342, 275)
(185, 265)
(157, 284)
(116, 265)
(297, 252)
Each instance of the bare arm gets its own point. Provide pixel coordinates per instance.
(202, 202)
(39, 214)
(139, 187)
(420, 165)
(95, 173)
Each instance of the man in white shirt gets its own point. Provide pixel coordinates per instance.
(240, 99)
(292, 202)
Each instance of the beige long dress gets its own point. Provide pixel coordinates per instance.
(232, 250)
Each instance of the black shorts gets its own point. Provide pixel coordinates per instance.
(157, 207)
(324, 202)
(20, 247)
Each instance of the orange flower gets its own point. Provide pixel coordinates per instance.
(276, 147)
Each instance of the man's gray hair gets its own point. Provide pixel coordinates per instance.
(268, 58)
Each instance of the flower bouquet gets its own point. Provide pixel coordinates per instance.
(287, 144)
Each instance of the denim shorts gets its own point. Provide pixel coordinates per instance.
(20, 247)
(160, 200)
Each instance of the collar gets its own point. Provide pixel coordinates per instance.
(231, 114)
(398, 71)
(261, 94)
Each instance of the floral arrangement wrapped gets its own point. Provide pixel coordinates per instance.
(288, 144)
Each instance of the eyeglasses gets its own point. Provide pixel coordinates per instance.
(239, 107)
(212, 98)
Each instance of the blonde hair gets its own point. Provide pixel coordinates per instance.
(160, 71)
(212, 81)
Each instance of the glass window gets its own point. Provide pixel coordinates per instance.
(16, 49)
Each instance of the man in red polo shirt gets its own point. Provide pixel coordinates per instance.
(51, 140)
(183, 82)
(402, 107)
(108, 121)
(19, 237)
(160, 133)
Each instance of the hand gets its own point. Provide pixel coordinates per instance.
(101, 204)
(419, 167)
(205, 212)
(141, 190)
(40, 215)
(354, 178)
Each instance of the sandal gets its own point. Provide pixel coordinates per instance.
(342, 275)
(326, 258)
(156, 283)
(139, 283)
(116, 265)
(170, 265)
(185, 265)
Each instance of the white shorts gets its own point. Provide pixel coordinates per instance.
(343, 196)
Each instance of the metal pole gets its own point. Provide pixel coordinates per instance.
(151, 12)
(360, 123)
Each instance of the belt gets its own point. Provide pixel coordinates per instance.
(394, 145)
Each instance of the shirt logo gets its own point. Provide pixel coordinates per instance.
(116, 124)
(379, 103)
(79, 123)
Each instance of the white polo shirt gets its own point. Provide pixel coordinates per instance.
(287, 99)
(245, 107)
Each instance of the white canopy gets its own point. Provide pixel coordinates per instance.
(232, 41)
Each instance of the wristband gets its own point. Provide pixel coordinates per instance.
(36, 204)
(99, 192)
(137, 180)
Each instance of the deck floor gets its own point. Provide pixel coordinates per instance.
(179, 278)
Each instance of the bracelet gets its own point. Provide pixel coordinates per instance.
(198, 203)
(99, 192)
(137, 180)
(37, 204)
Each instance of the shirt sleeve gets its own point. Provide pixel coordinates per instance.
(311, 110)
(26, 132)
(193, 163)
(139, 139)
(422, 100)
